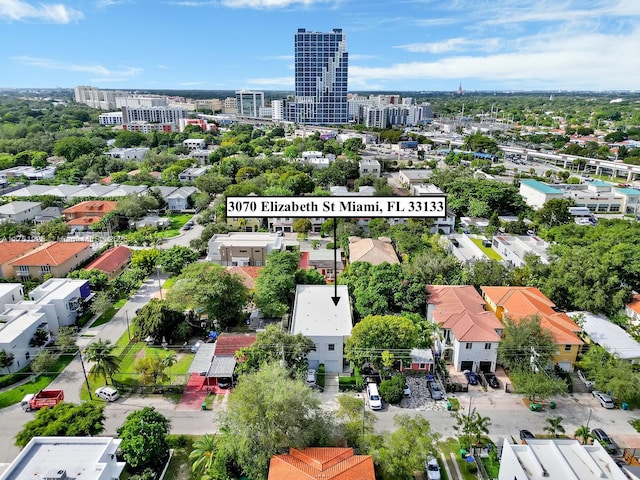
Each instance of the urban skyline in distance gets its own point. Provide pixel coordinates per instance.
(418, 45)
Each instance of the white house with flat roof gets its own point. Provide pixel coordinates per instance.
(66, 458)
(18, 325)
(316, 316)
(243, 248)
(190, 174)
(10, 293)
(514, 249)
(65, 295)
(369, 166)
(20, 211)
(557, 459)
(609, 336)
(133, 153)
(536, 193)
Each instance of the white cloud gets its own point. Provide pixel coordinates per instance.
(16, 10)
(453, 45)
(189, 3)
(93, 69)
(269, 4)
(588, 60)
(109, 3)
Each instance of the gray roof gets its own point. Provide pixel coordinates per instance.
(29, 191)
(222, 367)
(609, 336)
(203, 358)
(182, 192)
(17, 207)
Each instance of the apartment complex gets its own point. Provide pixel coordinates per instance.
(249, 103)
(321, 74)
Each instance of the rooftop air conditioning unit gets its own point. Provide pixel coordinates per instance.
(54, 474)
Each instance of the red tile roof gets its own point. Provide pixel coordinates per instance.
(303, 263)
(84, 221)
(247, 274)
(111, 261)
(324, 463)
(228, 343)
(461, 309)
(54, 253)
(12, 250)
(90, 207)
(519, 302)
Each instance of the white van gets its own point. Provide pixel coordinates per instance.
(373, 396)
(107, 393)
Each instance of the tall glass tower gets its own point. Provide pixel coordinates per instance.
(322, 70)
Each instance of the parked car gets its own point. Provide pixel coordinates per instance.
(407, 391)
(186, 227)
(471, 377)
(107, 393)
(195, 347)
(225, 382)
(525, 435)
(311, 378)
(602, 437)
(587, 383)
(434, 390)
(605, 400)
(492, 380)
(432, 468)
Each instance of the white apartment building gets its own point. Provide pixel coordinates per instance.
(190, 174)
(195, 143)
(230, 105)
(156, 114)
(111, 118)
(142, 101)
(277, 110)
(96, 98)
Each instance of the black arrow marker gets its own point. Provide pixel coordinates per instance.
(335, 297)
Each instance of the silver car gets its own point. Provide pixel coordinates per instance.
(435, 391)
(605, 400)
(432, 468)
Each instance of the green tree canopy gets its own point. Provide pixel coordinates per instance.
(144, 438)
(376, 333)
(275, 285)
(525, 342)
(268, 412)
(174, 259)
(273, 345)
(205, 287)
(64, 420)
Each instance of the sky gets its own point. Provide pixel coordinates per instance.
(393, 45)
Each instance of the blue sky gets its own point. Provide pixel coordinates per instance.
(393, 45)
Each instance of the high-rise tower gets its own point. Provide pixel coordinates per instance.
(321, 69)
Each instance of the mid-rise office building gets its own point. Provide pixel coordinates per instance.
(249, 103)
(321, 74)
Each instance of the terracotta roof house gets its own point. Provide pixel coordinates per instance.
(518, 302)
(85, 214)
(319, 462)
(55, 258)
(247, 274)
(111, 262)
(10, 251)
(471, 333)
(371, 250)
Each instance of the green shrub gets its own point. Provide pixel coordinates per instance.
(455, 404)
(393, 389)
(471, 467)
(320, 380)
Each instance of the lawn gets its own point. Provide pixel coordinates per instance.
(15, 395)
(451, 445)
(177, 222)
(109, 314)
(488, 251)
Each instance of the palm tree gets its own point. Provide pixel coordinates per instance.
(480, 425)
(583, 434)
(169, 361)
(554, 426)
(105, 363)
(203, 455)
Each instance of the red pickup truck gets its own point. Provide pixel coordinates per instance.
(44, 398)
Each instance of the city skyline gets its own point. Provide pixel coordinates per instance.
(417, 45)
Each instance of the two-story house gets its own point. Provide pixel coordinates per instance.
(53, 258)
(243, 248)
(470, 334)
(515, 303)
